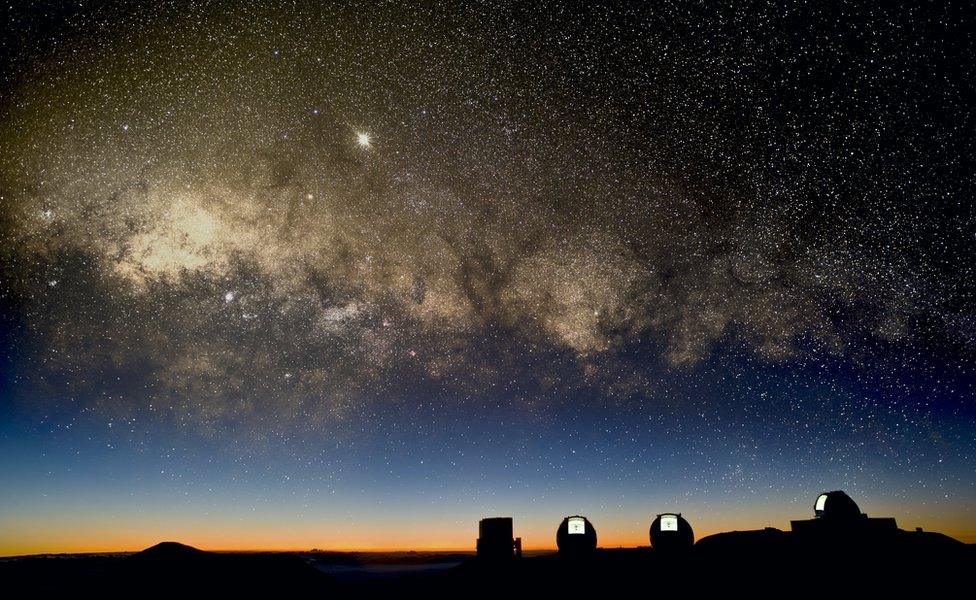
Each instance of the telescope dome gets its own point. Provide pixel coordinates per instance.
(835, 505)
(670, 531)
(576, 536)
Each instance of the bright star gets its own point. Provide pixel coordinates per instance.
(363, 140)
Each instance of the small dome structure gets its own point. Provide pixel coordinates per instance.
(576, 536)
(835, 505)
(670, 531)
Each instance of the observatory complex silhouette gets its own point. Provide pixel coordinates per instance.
(838, 549)
(837, 523)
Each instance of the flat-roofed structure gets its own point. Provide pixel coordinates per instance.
(496, 540)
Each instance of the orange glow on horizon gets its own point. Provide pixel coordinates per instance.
(83, 540)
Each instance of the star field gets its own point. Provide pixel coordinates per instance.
(321, 265)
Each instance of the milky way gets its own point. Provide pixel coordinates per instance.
(246, 218)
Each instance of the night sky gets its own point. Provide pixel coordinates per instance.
(281, 275)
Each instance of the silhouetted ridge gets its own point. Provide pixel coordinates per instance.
(182, 569)
(172, 550)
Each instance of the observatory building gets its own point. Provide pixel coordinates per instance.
(836, 513)
(576, 537)
(495, 541)
(671, 532)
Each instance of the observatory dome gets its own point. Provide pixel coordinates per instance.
(575, 536)
(835, 505)
(670, 531)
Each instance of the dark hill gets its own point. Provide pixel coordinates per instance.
(184, 569)
(171, 551)
(165, 569)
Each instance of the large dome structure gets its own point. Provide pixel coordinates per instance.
(670, 532)
(836, 514)
(836, 505)
(576, 536)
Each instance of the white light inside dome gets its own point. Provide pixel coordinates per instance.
(669, 523)
(577, 525)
